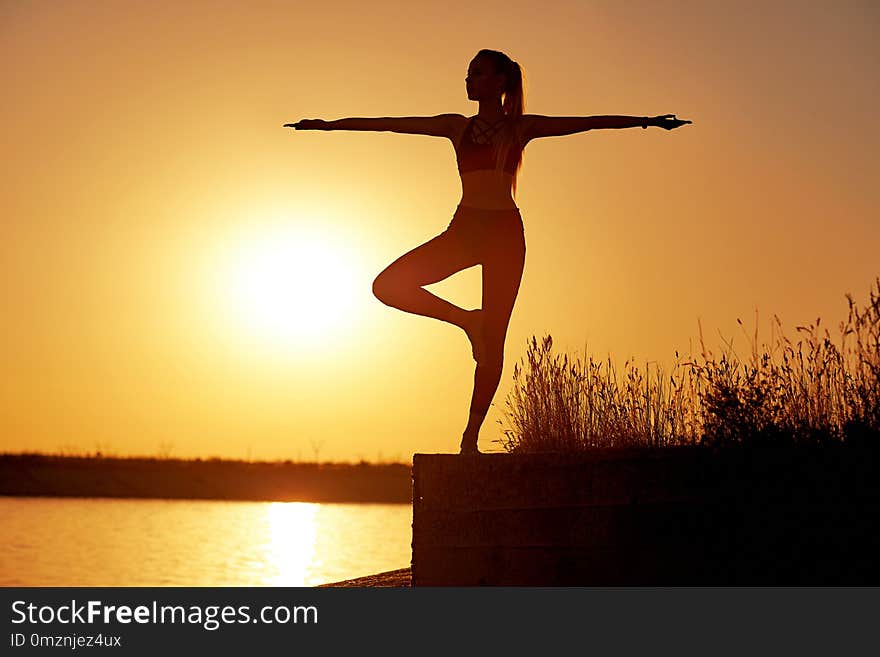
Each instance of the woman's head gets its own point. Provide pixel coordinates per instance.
(492, 74)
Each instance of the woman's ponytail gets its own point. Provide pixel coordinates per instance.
(513, 102)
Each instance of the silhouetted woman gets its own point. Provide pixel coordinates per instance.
(486, 227)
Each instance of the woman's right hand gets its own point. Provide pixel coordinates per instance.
(308, 124)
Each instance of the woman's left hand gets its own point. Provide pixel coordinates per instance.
(667, 121)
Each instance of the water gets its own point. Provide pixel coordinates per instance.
(124, 542)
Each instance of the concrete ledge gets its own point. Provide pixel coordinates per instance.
(642, 516)
(392, 578)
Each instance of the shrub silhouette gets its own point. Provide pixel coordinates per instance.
(814, 394)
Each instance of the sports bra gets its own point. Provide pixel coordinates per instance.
(472, 156)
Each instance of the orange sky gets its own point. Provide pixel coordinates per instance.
(161, 228)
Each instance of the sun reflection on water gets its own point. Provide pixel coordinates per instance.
(290, 550)
(132, 542)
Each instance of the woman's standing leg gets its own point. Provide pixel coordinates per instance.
(504, 253)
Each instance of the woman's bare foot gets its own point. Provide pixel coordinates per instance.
(474, 331)
(468, 445)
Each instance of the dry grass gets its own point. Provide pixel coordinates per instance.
(812, 392)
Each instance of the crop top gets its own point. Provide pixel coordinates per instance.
(472, 156)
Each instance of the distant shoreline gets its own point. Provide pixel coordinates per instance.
(215, 479)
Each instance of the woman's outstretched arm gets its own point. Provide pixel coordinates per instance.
(441, 125)
(536, 125)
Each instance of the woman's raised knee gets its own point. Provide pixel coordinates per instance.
(385, 286)
(381, 287)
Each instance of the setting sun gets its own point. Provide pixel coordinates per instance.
(291, 286)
